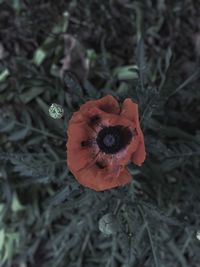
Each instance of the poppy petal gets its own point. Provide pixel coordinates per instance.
(105, 119)
(113, 120)
(99, 181)
(124, 177)
(125, 155)
(79, 156)
(130, 110)
(77, 117)
(78, 132)
(139, 155)
(107, 104)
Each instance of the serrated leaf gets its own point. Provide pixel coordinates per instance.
(20, 134)
(60, 196)
(170, 164)
(189, 80)
(170, 131)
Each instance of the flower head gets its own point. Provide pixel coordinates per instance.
(102, 139)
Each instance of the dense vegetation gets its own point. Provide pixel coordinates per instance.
(148, 50)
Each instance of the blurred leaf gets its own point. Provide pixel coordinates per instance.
(30, 94)
(141, 61)
(19, 134)
(6, 125)
(168, 58)
(91, 90)
(72, 83)
(2, 206)
(123, 89)
(39, 56)
(2, 239)
(8, 250)
(126, 72)
(16, 206)
(51, 42)
(16, 5)
(4, 75)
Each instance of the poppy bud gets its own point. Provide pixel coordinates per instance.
(108, 224)
(56, 111)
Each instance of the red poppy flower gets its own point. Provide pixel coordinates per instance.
(102, 139)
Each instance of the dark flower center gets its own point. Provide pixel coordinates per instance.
(109, 140)
(113, 139)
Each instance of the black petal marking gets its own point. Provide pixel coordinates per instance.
(94, 120)
(87, 143)
(100, 164)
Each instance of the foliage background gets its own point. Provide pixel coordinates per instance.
(148, 50)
